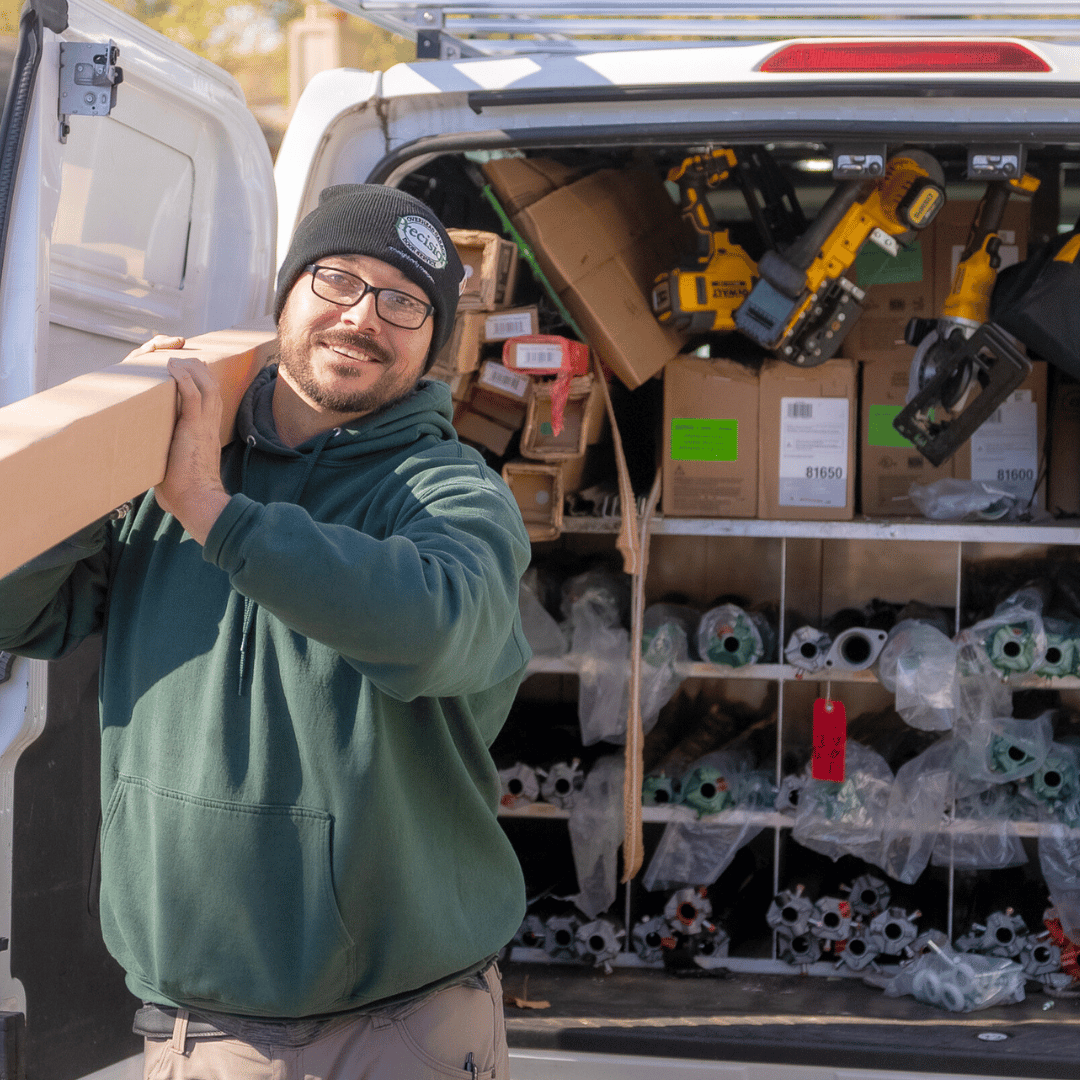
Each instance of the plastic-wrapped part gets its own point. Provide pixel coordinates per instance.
(893, 930)
(667, 630)
(659, 791)
(858, 952)
(923, 789)
(868, 895)
(1059, 857)
(954, 500)
(1062, 649)
(832, 919)
(607, 594)
(959, 982)
(1001, 749)
(560, 936)
(790, 912)
(807, 648)
(596, 833)
(847, 818)
(542, 632)
(733, 637)
(1056, 782)
(1013, 638)
(705, 789)
(982, 835)
(791, 787)
(919, 665)
(693, 852)
(752, 789)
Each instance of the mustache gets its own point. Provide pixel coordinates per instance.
(359, 342)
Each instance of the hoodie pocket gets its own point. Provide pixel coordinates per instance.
(223, 904)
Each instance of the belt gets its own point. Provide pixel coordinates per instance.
(157, 1021)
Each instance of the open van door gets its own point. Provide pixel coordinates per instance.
(136, 197)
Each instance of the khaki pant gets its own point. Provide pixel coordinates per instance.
(426, 1040)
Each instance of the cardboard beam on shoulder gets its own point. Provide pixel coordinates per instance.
(74, 452)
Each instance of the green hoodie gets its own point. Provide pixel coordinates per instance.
(299, 807)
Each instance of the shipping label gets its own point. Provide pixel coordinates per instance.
(502, 378)
(507, 325)
(539, 357)
(1005, 449)
(813, 451)
(703, 439)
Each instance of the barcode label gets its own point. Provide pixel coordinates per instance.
(800, 410)
(511, 324)
(502, 378)
(540, 357)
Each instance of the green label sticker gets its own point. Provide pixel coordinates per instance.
(880, 430)
(546, 429)
(876, 267)
(703, 439)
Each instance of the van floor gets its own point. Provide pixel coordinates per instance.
(784, 1019)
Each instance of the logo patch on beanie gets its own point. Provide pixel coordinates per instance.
(417, 234)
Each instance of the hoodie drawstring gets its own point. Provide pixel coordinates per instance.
(250, 607)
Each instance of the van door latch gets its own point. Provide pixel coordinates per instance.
(88, 80)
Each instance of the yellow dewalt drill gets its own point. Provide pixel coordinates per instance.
(803, 307)
(702, 296)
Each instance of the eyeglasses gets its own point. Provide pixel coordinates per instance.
(347, 290)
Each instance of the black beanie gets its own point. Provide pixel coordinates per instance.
(386, 224)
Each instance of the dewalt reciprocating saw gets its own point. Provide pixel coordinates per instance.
(803, 307)
(701, 296)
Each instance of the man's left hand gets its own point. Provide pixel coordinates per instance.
(192, 490)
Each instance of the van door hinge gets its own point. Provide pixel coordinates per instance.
(88, 80)
(6, 661)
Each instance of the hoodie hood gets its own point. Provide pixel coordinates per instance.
(425, 413)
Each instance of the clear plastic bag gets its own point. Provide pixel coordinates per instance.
(696, 852)
(959, 982)
(954, 500)
(542, 632)
(982, 835)
(920, 794)
(596, 832)
(1059, 857)
(595, 604)
(919, 665)
(1000, 749)
(848, 818)
(667, 630)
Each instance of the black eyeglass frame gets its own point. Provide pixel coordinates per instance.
(375, 290)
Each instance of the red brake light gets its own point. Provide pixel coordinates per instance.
(946, 57)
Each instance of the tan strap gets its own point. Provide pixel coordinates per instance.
(633, 838)
(627, 541)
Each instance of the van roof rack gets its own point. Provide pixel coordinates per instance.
(498, 28)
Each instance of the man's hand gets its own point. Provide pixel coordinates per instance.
(192, 490)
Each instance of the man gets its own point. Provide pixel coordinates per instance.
(310, 640)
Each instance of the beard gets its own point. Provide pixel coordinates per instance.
(294, 357)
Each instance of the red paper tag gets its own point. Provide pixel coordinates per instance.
(830, 740)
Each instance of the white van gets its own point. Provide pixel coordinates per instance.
(150, 205)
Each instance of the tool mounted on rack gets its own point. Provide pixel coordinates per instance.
(803, 306)
(964, 365)
(701, 296)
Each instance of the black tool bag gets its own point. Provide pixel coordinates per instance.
(1038, 302)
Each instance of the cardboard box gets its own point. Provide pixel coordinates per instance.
(461, 353)
(496, 378)
(889, 464)
(497, 407)
(807, 431)
(490, 269)
(539, 441)
(1063, 494)
(710, 439)
(897, 289)
(1008, 448)
(73, 453)
(519, 182)
(537, 488)
(601, 241)
(480, 430)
